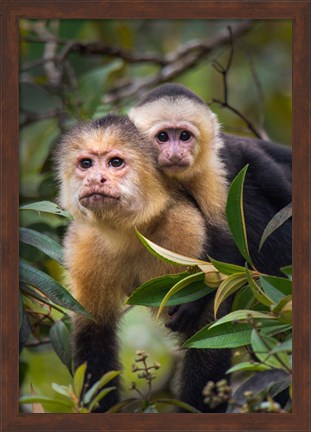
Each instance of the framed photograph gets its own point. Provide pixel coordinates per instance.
(78, 61)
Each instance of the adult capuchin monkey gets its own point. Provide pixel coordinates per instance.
(191, 150)
(110, 184)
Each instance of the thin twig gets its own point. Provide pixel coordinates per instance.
(224, 71)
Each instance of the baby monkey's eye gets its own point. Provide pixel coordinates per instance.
(185, 135)
(85, 163)
(162, 136)
(116, 162)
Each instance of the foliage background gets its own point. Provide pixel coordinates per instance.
(58, 88)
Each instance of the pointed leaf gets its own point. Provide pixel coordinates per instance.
(43, 399)
(256, 290)
(172, 257)
(276, 287)
(240, 315)
(49, 287)
(28, 291)
(228, 287)
(286, 346)
(262, 346)
(99, 397)
(151, 293)
(60, 339)
(243, 299)
(42, 242)
(226, 268)
(105, 379)
(223, 336)
(63, 390)
(247, 366)
(46, 207)
(277, 220)
(283, 302)
(288, 271)
(235, 214)
(79, 379)
(196, 277)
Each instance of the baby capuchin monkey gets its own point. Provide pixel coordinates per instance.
(191, 150)
(109, 182)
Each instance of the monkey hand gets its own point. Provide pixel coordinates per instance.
(184, 316)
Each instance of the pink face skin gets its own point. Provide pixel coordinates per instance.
(99, 176)
(175, 148)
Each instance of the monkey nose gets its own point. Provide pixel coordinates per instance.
(174, 158)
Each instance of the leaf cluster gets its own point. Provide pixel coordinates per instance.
(261, 316)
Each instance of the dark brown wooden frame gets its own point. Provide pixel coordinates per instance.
(299, 13)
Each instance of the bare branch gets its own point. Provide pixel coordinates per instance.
(177, 63)
(224, 71)
(261, 97)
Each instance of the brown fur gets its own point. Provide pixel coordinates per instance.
(104, 257)
(205, 177)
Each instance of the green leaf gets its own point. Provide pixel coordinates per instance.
(277, 220)
(60, 340)
(262, 346)
(230, 285)
(46, 207)
(247, 366)
(49, 287)
(79, 379)
(235, 214)
(152, 292)
(196, 277)
(42, 242)
(286, 346)
(172, 257)
(256, 290)
(226, 268)
(105, 379)
(99, 397)
(43, 399)
(271, 328)
(240, 315)
(223, 336)
(63, 390)
(243, 299)
(276, 287)
(29, 291)
(284, 301)
(288, 271)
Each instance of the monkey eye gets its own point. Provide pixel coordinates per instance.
(116, 162)
(185, 135)
(162, 136)
(85, 163)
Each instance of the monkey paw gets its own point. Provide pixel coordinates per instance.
(182, 317)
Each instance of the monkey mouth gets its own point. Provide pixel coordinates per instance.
(175, 167)
(97, 198)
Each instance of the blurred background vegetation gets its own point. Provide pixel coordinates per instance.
(72, 70)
